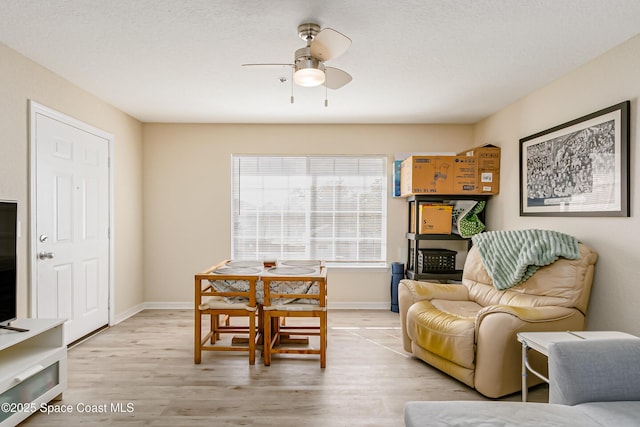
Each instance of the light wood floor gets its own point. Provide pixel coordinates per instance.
(145, 364)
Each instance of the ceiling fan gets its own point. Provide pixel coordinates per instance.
(308, 66)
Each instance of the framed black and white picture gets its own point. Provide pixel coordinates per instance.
(579, 168)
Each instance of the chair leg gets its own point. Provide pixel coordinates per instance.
(197, 342)
(259, 336)
(215, 323)
(252, 339)
(266, 346)
(323, 341)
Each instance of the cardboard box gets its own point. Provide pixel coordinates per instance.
(433, 218)
(475, 171)
(438, 175)
(488, 164)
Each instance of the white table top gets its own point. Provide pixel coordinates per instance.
(540, 341)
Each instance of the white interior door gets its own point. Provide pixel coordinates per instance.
(70, 275)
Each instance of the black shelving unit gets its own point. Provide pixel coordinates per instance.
(414, 238)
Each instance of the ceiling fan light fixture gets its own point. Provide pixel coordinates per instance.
(309, 77)
(309, 71)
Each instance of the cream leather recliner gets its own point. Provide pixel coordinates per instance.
(469, 330)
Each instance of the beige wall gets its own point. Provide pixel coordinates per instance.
(187, 195)
(605, 81)
(23, 80)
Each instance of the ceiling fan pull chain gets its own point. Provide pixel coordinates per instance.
(292, 85)
(326, 101)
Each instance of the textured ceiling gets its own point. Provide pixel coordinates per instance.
(420, 61)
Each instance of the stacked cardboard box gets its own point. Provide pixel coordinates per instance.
(474, 171)
(488, 167)
(433, 218)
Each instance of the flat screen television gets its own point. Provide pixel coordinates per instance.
(8, 261)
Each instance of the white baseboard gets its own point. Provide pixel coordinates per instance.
(120, 317)
(359, 305)
(168, 305)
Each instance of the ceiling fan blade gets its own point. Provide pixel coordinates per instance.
(336, 78)
(268, 65)
(329, 44)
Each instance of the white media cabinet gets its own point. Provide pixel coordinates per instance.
(33, 368)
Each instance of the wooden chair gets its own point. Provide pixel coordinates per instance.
(221, 303)
(310, 304)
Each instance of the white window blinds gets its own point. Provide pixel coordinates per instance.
(331, 208)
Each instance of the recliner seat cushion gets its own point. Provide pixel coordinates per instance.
(446, 328)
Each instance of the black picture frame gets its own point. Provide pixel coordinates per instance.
(578, 168)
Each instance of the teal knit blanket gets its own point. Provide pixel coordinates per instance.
(512, 256)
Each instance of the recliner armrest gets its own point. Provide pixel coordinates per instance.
(528, 314)
(524, 318)
(594, 370)
(420, 291)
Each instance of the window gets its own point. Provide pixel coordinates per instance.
(331, 208)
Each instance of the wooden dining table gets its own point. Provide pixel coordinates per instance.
(231, 271)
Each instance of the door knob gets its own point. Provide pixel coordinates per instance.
(45, 255)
